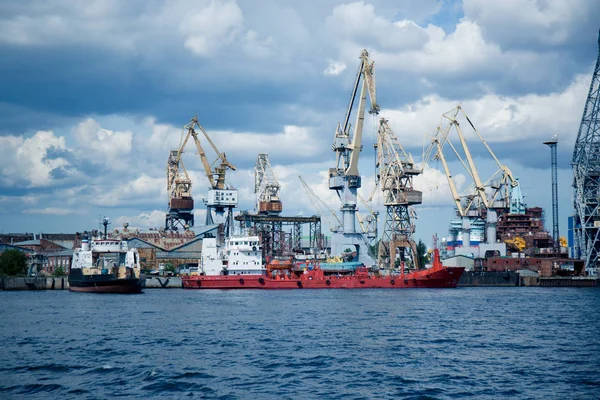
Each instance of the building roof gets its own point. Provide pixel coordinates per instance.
(203, 229)
(61, 253)
(35, 242)
(5, 246)
(169, 240)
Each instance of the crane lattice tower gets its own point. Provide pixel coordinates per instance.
(395, 172)
(553, 161)
(586, 178)
(266, 187)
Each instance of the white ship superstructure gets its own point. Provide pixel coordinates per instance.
(241, 255)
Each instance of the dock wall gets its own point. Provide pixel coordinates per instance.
(35, 283)
(471, 278)
(163, 282)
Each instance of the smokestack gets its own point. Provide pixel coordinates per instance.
(492, 219)
(466, 229)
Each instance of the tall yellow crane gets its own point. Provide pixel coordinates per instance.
(221, 198)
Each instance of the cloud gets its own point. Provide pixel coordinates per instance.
(102, 146)
(527, 119)
(359, 22)
(335, 68)
(534, 23)
(143, 189)
(50, 211)
(26, 162)
(434, 185)
(145, 220)
(212, 27)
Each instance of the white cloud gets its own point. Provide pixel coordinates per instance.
(103, 146)
(144, 220)
(498, 118)
(256, 47)
(434, 185)
(335, 68)
(445, 54)
(51, 211)
(141, 189)
(294, 140)
(359, 23)
(24, 162)
(212, 27)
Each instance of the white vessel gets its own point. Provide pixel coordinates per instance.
(105, 266)
(241, 255)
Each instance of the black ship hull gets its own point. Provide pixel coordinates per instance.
(104, 283)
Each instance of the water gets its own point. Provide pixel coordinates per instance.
(483, 343)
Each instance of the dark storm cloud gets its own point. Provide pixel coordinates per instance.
(74, 81)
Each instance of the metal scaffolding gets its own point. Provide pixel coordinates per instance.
(276, 241)
(586, 178)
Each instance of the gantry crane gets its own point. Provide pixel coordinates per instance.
(221, 198)
(266, 187)
(345, 178)
(500, 193)
(395, 171)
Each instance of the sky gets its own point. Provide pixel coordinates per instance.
(94, 95)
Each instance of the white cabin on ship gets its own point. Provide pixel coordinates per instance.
(104, 254)
(241, 255)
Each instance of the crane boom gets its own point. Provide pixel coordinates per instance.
(455, 195)
(494, 193)
(368, 85)
(472, 168)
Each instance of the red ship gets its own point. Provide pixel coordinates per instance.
(278, 275)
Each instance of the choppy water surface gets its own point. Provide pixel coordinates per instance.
(331, 344)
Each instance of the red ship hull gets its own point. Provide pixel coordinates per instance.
(436, 277)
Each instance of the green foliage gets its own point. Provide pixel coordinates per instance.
(169, 268)
(422, 255)
(13, 262)
(374, 250)
(59, 271)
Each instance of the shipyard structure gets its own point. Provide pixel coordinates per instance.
(493, 228)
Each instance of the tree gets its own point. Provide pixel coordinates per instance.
(169, 268)
(422, 254)
(13, 262)
(59, 271)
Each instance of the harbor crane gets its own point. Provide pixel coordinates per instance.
(395, 170)
(221, 197)
(179, 189)
(586, 179)
(495, 193)
(345, 178)
(266, 187)
(500, 193)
